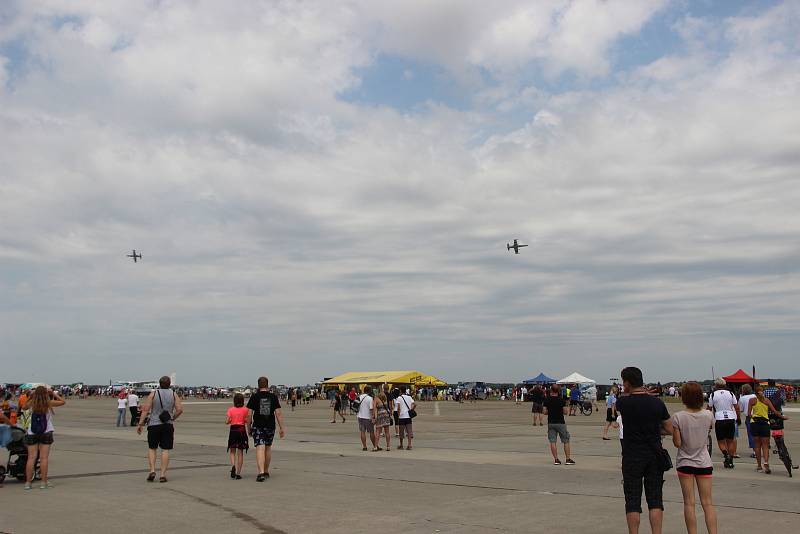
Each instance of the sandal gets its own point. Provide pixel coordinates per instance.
(151, 477)
(162, 479)
(767, 470)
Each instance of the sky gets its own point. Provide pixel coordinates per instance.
(322, 187)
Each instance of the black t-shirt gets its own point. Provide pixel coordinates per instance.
(537, 396)
(264, 404)
(555, 410)
(642, 416)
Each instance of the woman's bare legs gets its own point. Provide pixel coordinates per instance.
(689, 515)
(710, 513)
(33, 453)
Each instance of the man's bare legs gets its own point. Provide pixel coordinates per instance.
(656, 519)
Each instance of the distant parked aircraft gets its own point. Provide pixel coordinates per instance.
(139, 256)
(516, 246)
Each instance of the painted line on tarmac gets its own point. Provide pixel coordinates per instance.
(265, 529)
(523, 490)
(132, 471)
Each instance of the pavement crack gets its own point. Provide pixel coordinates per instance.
(247, 518)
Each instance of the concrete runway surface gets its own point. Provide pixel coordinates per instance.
(474, 468)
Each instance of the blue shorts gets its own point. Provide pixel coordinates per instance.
(263, 436)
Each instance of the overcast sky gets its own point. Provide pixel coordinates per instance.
(321, 187)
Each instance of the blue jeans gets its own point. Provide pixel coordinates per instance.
(121, 416)
(750, 441)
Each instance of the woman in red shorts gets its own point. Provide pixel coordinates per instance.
(691, 427)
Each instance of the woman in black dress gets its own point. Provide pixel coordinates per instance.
(337, 406)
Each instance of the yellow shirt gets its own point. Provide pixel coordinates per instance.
(760, 411)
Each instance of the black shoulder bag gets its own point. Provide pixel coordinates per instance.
(411, 412)
(164, 416)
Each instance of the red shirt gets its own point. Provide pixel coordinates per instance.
(238, 416)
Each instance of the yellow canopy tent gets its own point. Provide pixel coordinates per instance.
(412, 378)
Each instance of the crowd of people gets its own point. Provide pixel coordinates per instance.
(637, 412)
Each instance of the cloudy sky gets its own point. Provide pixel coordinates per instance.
(320, 187)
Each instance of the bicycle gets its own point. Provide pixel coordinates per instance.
(776, 426)
(586, 408)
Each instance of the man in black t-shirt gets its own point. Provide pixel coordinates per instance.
(265, 409)
(645, 419)
(555, 407)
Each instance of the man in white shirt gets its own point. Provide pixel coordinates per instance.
(133, 406)
(726, 414)
(404, 405)
(366, 418)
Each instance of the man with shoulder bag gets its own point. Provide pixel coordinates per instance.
(406, 412)
(644, 461)
(164, 408)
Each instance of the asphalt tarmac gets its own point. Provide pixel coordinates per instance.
(474, 468)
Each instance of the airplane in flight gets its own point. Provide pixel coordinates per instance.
(135, 256)
(516, 246)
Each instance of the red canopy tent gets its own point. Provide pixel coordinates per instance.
(739, 377)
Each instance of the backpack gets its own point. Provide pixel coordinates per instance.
(38, 423)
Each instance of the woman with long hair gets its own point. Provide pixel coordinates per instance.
(383, 420)
(758, 410)
(39, 436)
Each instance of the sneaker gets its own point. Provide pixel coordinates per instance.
(570, 461)
(260, 478)
(48, 485)
(556, 462)
(28, 486)
(233, 472)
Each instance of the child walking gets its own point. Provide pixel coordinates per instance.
(238, 442)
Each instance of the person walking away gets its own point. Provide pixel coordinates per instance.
(759, 409)
(121, 408)
(537, 408)
(555, 408)
(39, 436)
(293, 398)
(611, 411)
(366, 418)
(726, 414)
(591, 396)
(383, 419)
(238, 443)
(404, 406)
(574, 399)
(693, 464)
(646, 419)
(744, 405)
(265, 411)
(337, 406)
(133, 406)
(165, 407)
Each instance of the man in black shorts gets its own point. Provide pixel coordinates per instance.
(164, 408)
(645, 419)
(726, 416)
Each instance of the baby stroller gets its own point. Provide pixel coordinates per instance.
(17, 457)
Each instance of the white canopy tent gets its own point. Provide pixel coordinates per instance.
(576, 378)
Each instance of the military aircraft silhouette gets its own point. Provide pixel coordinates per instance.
(516, 246)
(135, 256)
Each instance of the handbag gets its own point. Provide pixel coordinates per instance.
(663, 458)
(412, 413)
(164, 416)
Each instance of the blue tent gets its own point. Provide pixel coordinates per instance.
(541, 379)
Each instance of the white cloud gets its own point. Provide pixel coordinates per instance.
(287, 229)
